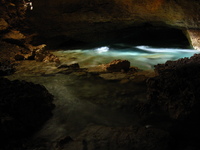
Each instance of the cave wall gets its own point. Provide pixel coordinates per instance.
(81, 20)
(65, 22)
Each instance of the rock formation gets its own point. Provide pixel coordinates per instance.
(15, 35)
(66, 21)
(24, 108)
(174, 92)
(117, 66)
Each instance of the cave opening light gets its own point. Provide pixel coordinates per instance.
(102, 49)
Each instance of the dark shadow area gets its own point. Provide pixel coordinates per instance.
(154, 36)
(147, 34)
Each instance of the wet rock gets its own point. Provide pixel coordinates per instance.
(45, 56)
(117, 66)
(50, 58)
(30, 55)
(71, 66)
(142, 76)
(24, 108)
(3, 24)
(176, 86)
(175, 93)
(74, 66)
(119, 138)
(34, 48)
(19, 57)
(63, 66)
(6, 68)
(113, 76)
(30, 52)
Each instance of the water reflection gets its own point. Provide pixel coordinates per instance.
(143, 57)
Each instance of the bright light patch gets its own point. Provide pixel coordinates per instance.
(163, 50)
(28, 4)
(102, 49)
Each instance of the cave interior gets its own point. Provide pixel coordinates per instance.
(49, 100)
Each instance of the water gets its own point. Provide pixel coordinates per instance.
(143, 57)
(82, 102)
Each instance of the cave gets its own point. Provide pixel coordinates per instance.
(145, 34)
(99, 75)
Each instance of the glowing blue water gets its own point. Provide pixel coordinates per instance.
(143, 57)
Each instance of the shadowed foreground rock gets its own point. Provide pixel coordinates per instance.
(175, 92)
(6, 68)
(176, 88)
(118, 138)
(24, 108)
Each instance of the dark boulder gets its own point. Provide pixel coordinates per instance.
(19, 57)
(176, 88)
(175, 93)
(6, 68)
(24, 108)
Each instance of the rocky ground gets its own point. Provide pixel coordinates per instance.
(168, 117)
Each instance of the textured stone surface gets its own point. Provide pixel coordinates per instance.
(194, 38)
(117, 66)
(174, 92)
(81, 20)
(176, 88)
(45, 56)
(71, 23)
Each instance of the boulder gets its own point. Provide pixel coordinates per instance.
(117, 66)
(24, 108)
(19, 57)
(174, 93)
(45, 56)
(175, 89)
